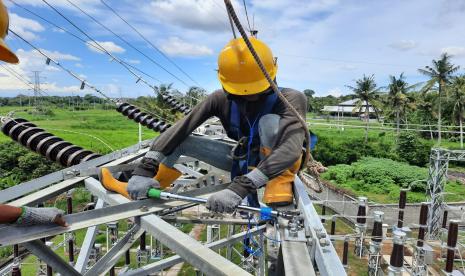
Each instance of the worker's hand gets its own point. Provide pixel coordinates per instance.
(138, 186)
(227, 200)
(223, 201)
(34, 216)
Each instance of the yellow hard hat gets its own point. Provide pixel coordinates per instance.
(239, 73)
(5, 53)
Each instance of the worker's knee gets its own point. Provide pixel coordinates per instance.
(268, 128)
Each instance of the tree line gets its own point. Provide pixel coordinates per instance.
(440, 100)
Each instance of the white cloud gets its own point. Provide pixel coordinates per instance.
(110, 46)
(31, 61)
(336, 92)
(403, 45)
(86, 4)
(58, 30)
(25, 27)
(296, 7)
(132, 61)
(55, 55)
(348, 67)
(175, 46)
(455, 51)
(205, 15)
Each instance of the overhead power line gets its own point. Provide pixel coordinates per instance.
(81, 39)
(149, 42)
(139, 78)
(57, 63)
(127, 43)
(83, 82)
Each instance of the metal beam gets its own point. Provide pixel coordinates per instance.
(46, 193)
(106, 262)
(296, 258)
(39, 249)
(326, 257)
(188, 248)
(87, 244)
(197, 220)
(173, 260)
(46, 180)
(14, 234)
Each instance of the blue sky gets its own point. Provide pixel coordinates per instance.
(320, 44)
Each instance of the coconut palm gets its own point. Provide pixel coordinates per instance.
(440, 74)
(194, 95)
(458, 100)
(367, 96)
(426, 113)
(398, 98)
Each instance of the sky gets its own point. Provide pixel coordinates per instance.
(323, 45)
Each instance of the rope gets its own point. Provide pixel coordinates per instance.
(235, 19)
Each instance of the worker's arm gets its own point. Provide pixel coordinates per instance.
(167, 142)
(9, 214)
(30, 215)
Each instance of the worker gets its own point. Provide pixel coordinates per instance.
(269, 136)
(22, 215)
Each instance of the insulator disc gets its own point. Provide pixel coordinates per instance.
(139, 116)
(43, 145)
(64, 154)
(132, 114)
(54, 149)
(121, 106)
(10, 123)
(28, 132)
(18, 128)
(90, 157)
(77, 157)
(126, 109)
(34, 140)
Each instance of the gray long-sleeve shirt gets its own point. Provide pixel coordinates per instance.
(285, 152)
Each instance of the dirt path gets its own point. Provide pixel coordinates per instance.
(194, 233)
(454, 175)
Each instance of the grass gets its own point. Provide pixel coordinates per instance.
(86, 127)
(349, 132)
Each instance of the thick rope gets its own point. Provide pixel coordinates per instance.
(309, 161)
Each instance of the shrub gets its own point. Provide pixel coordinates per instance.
(412, 150)
(18, 164)
(378, 175)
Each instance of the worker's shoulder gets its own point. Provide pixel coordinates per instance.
(294, 95)
(218, 95)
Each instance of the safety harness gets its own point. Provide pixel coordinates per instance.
(246, 153)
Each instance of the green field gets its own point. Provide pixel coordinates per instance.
(86, 128)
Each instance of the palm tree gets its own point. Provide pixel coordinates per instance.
(440, 74)
(367, 96)
(194, 95)
(398, 98)
(426, 111)
(458, 99)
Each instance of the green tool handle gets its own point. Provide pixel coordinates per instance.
(154, 193)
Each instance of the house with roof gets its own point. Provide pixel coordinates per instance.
(348, 109)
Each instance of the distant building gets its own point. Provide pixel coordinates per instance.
(347, 109)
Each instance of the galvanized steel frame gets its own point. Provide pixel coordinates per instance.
(201, 256)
